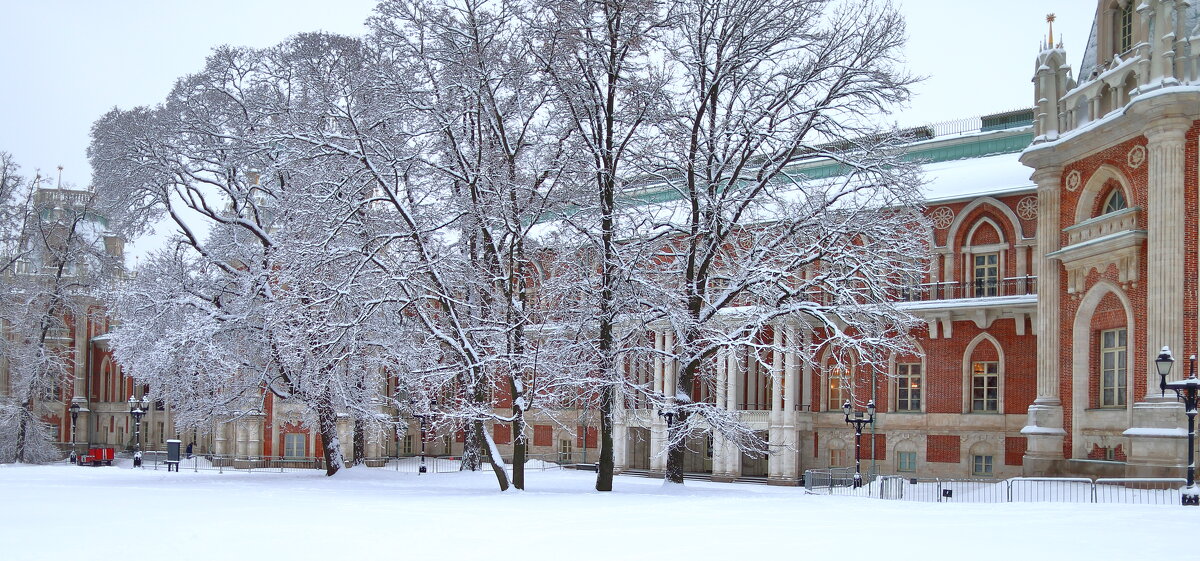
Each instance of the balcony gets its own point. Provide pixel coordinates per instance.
(936, 291)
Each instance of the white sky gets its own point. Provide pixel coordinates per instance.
(63, 63)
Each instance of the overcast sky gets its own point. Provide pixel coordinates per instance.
(63, 63)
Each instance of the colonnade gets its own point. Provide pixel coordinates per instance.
(765, 388)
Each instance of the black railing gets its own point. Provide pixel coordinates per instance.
(982, 288)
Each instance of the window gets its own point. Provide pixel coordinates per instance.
(981, 465)
(987, 274)
(408, 444)
(1112, 368)
(837, 457)
(1125, 28)
(908, 387)
(294, 444)
(1114, 202)
(839, 388)
(985, 387)
(906, 461)
(565, 449)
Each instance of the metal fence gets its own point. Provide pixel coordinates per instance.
(275, 464)
(1018, 489)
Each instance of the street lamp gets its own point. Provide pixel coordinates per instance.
(74, 419)
(858, 420)
(1185, 389)
(137, 409)
(424, 418)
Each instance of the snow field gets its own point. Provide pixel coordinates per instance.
(379, 514)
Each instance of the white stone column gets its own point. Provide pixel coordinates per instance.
(720, 444)
(1044, 427)
(255, 440)
(658, 458)
(620, 428)
(1152, 451)
(775, 425)
(241, 437)
(733, 456)
(1165, 249)
(79, 375)
(791, 395)
(806, 393)
(220, 440)
(730, 462)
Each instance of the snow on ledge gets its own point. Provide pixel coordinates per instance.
(1156, 432)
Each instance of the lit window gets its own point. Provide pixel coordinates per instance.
(987, 274)
(985, 387)
(981, 465)
(908, 387)
(1114, 202)
(839, 388)
(1112, 368)
(906, 461)
(293, 445)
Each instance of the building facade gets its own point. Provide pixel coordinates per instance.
(1064, 257)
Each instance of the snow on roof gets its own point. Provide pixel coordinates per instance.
(975, 177)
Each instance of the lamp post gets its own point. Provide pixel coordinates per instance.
(1186, 390)
(424, 418)
(74, 419)
(136, 410)
(858, 420)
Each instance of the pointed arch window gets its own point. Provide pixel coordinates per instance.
(839, 387)
(1114, 202)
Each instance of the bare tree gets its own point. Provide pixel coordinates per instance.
(497, 155)
(55, 252)
(745, 238)
(598, 56)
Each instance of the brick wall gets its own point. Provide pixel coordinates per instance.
(944, 449)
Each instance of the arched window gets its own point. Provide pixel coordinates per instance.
(1114, 202)
(838, 378)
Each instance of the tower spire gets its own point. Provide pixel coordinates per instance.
(1050, 20)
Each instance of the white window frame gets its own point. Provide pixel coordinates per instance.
(985, 285)
(292, 440)
(979, 371)
(906, 461)
(983, 465)
(904, 384)
(1116, 385)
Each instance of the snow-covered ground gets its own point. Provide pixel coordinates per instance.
(66, 512)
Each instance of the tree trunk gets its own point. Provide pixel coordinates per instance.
(675, 450)
(493, 456)
(470, 456)
(327, 426)
(360, 442)
(606, 465)
(520, 443)
(22, 434)
(676, 443)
